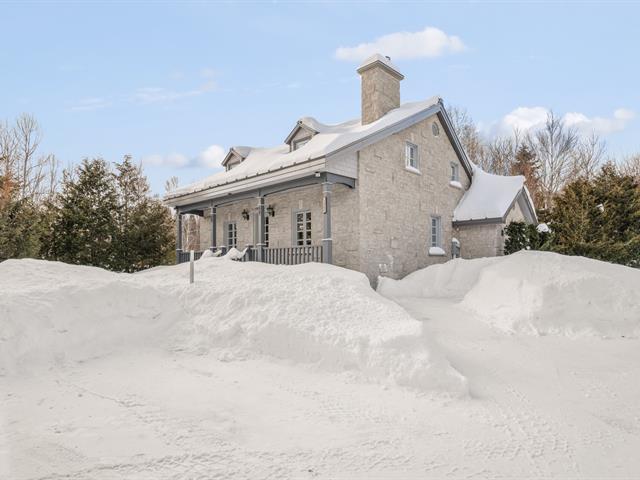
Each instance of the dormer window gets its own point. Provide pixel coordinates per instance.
(235, 157)
(304, 131)
(300, 143)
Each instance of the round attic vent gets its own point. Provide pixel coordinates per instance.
(435, 129)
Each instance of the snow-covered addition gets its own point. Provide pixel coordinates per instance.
(375, 194)
(490, 203)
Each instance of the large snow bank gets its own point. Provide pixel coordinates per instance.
(310, 313)
(534, 293)
(51, 313)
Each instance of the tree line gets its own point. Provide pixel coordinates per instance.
(95, 213)
(590, 202)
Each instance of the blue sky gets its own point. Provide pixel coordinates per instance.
(176, 84)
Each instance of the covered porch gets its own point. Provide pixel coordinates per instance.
(287, 223)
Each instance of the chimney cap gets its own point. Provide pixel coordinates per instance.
(382, 61)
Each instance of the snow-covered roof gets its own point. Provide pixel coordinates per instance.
(329, 139)
(489, 196)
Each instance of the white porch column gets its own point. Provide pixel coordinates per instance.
(178, 234)
(213, 227)
(261, 225)
(327, 241)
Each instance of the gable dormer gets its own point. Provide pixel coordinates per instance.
(301, 134)
(235, 157)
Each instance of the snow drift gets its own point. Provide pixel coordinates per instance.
(534, 293)
(51, 312)
(328, 316)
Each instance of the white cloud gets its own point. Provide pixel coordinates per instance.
(532, 118)
(88, 104)
(158, 94)
(600, 125)
(208, 158)
(430, 42)
(523, 119)
(211, 156)
(175, 160)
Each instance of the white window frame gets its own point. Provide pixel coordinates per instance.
(435, 231)
(411, 162)
(307, 232)
(231, 234)
(455, 172)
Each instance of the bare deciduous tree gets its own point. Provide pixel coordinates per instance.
(502, 153)
(553, 146)
(631, 166)
(469, 136)
(171, 184)
(588, 156)
(36, 175)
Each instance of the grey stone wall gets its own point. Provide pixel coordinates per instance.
(478, 241)
(380, 93)
(396, 204)
(281, 225)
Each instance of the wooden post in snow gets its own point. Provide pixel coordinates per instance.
(191, 265)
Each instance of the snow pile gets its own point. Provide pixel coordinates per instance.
(52, 313)
(312, 313)
(535, 293)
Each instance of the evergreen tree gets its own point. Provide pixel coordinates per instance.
(599, 218)
(84, 226)
(516, 237)
(525, 164)
(145, 227)
(20, 223)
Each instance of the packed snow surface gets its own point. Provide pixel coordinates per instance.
(539, 293)
(262, 372)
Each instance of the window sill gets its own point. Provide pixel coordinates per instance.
(413, 170)
(436, 252)
(455, 184)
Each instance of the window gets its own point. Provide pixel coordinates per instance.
(266, 231)
(454, 172)
(232, 235)
(435, 231)
(300, 143)
(303, 228)
(435, 129)
(411, 156)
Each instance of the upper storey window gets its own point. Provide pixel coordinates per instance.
(411, 156)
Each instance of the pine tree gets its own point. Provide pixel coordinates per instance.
(525, 164)
(20, 223)
(84, 226)
(145, 228)
(599, 218)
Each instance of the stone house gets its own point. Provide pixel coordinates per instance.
(385, 194)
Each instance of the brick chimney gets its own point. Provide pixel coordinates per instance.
(380, 87)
